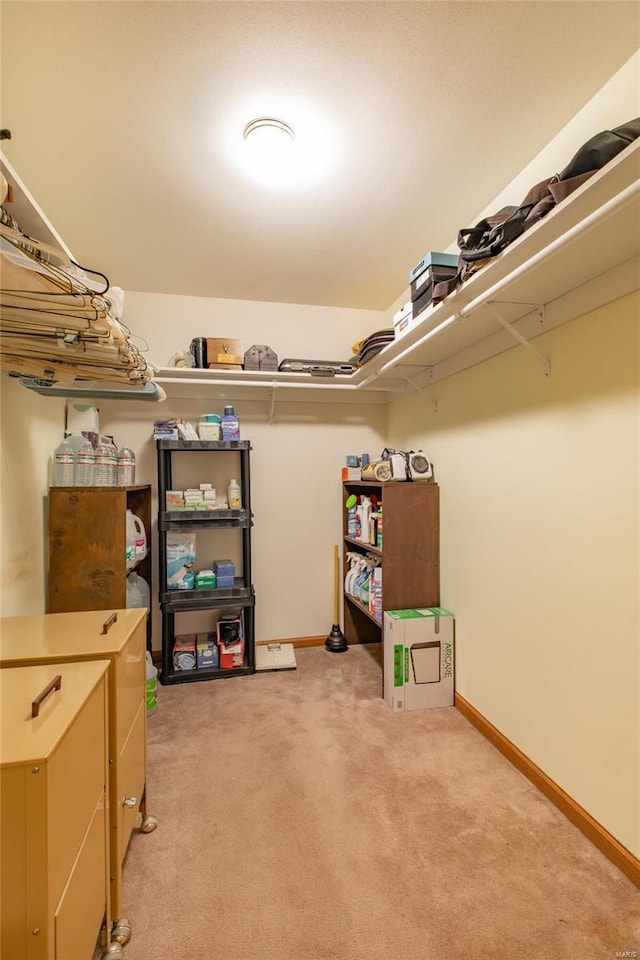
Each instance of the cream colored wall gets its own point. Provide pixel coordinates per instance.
(540, 550)
(32, 427)
(295, 461)
(169, 323)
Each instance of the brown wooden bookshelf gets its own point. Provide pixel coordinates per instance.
(410, 551)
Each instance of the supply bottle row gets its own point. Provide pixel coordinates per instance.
(364, 519)
(204, 497)
(82, 461)
(363, 582)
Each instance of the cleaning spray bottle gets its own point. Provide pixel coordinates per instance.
(375, 592)
(351, 560)
(367, 583)
(353, 574)
(352, 520)
(363, 576)
(363, 512)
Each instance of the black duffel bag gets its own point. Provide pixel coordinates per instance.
(492, 235)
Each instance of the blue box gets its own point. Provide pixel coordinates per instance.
(433, 259)
(207, 650)
(224, 568)
(223, 583)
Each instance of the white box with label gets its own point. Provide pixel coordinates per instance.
(418, 658)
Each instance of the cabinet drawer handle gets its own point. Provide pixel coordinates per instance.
(129, 801)
(109, 623)
(55, 684)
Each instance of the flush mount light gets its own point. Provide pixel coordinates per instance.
(271, 154)
(268, 125)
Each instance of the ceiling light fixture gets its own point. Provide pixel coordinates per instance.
(268, 125)
(271, 150)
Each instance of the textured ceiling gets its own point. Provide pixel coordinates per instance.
(125, 117)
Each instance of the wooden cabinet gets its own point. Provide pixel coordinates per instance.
(54, 826)
(409, 552)
(118, 637)
(87, 544)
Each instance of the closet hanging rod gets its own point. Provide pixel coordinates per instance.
(95, 390)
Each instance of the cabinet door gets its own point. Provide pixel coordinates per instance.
(130, 781)
(79, 913)
(76, 781)
(128, 690)
(86, 549)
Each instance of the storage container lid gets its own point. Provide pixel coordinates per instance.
(210, 418)
(26, 739)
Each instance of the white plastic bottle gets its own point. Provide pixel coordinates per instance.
(113, 465)
(145, 592)
(63, 465)
(140, 538)
(233, 494)
(85, 465)
(138, 593)
(130, 542)
(364, 514)
(126, 467)
(102, 470)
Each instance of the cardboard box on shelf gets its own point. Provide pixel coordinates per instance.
(207, 650)
(231, 654)
(184, 651)
(351, 473)
(418, 658)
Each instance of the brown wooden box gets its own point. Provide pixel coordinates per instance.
(224, 353)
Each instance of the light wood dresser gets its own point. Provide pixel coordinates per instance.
(54, 825)
(118, 636)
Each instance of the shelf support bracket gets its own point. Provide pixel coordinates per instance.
(421, 390)
(542, 360)
(272, 403)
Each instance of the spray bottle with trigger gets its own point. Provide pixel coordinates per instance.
(352, 559)
(369, 564)
(354, 574)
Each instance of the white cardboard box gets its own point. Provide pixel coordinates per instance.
(418, 658)
(403, 320)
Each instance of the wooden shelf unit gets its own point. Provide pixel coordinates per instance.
(410, 552)
(87, 543)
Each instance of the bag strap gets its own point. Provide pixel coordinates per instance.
(562, 188)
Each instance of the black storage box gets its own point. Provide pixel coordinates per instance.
(432, 275)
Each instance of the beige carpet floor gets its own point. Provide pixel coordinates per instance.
(301, 820)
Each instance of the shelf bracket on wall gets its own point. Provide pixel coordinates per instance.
(272, 402)
(421, 390)
(540, 308)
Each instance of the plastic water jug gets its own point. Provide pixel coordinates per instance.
(138, 593)
(130, 542)
(152, 686)
(135, 524)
